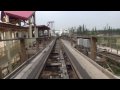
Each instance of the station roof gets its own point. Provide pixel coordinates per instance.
(43, 27)
(24, 15)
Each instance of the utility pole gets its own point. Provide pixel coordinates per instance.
(51, 25)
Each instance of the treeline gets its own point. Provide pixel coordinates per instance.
(82, 30)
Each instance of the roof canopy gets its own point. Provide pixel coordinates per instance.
(43, 27)
(23, 15)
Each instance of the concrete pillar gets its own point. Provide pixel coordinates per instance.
(93, 48)
(30, 31)
(0, 36)
(48, 33)
(19, 22)
(8, 43)
(20, 34)
(14, 34)
(37, 40)
(37, 44)
(43, 32)
(30, 28)
(23, 50)
(3, 35)
(34, 19)
(4, 39)
(36, 33)
(7, 18)
(0, 73)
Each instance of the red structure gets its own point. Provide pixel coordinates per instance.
(23, 15)
(16, 17)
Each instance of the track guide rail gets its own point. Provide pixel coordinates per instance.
(31, 68)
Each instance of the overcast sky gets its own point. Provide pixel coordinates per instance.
(66, 19)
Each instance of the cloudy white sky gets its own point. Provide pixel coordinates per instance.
(66, 19)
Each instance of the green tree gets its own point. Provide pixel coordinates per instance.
(93, 32)
(79, 30)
